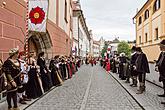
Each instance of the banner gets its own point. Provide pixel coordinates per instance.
(37, 11)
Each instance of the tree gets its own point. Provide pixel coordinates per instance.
(104, 50)
(123, 47)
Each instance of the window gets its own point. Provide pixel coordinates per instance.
(140, 39)
(156, 5)
(65, 16)
(140, 20)
(146, 16)
(156, 34)
(146, 37)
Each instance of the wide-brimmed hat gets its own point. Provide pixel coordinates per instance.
(138, 49)
(13, 51)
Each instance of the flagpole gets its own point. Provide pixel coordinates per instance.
(27, 31)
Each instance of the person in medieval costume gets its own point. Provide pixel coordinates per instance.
(44, 72)
(127, 70)
(12, 70)
(133, 72)
(160, 66)
(3, 80)
(91, 61)
(69, 68)
(114, 70)
(56, 79)
(142, 67)
(24, 78)
(34, 85)
(122, 63)
(108, 67)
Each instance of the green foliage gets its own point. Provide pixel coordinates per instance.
(124, 47)
(104, 50)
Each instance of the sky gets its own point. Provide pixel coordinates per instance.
(111, 18)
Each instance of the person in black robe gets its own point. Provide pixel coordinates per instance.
(122, 63)
(34, 89)
(133, 72)
(55, 77)
(160, 66)
(127, 70)
(44, 72)
(114, 70)
(142, 67)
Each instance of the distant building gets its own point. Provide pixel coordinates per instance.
(96, 49)
(81, 35)
(112, 45)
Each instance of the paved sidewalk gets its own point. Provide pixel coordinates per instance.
(149, 99)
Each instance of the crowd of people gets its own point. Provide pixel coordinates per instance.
(26, 80)
(133, 69)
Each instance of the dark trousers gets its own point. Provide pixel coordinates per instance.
(12, 95)
(142, 77)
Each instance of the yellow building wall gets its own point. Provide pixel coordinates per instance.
(152, 52)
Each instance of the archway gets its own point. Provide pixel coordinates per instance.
(39, 42)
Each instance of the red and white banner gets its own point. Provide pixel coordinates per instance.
(37, 10)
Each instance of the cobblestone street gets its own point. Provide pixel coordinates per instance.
(90, 89)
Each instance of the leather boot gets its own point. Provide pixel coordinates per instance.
(140, 91)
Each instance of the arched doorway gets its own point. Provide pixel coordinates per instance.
(39, 42)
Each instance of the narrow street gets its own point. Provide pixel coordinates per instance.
(90, 89)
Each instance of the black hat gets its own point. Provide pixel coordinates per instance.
(138, 49)
(162, 43)
(133, 48)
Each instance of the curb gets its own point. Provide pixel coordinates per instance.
(127, 91)
(40, 97)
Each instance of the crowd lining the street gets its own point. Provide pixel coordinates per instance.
(136, 67)
(26, 80)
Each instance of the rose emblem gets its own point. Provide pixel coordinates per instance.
(37, 15)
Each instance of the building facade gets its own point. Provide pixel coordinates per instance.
(56, 40)
(150, 30)
(81, 35)
(150, 27)
(96, 49)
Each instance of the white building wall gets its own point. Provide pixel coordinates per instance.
(62, 22)
(75, 45)
(96, 50)
(75, 28)
(52, 11)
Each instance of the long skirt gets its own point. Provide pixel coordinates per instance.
(34, 89)
(55, 77)
(45, 81)
(69, 71)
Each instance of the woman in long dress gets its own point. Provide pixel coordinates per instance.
(34, 86)
(44, 72)
(55, 77)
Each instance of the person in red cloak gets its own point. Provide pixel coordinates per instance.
(108, 66)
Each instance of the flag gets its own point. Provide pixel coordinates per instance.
(37, 12)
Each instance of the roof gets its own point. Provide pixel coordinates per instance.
(141, 8)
